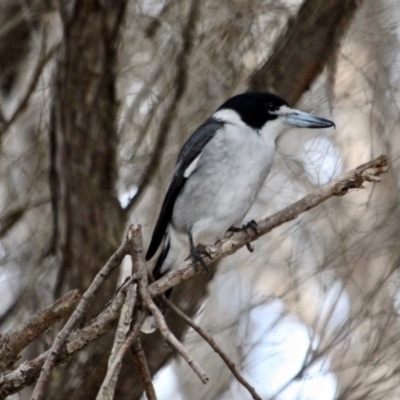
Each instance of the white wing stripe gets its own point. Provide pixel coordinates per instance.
(192, 166)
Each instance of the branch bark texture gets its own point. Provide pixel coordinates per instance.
(12, 344)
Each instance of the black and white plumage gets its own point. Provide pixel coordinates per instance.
(219, 173)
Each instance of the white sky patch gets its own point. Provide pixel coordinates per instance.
(279, 354)
(166, 385)
(125, 197)
(335, 304)
(151, 8)
(276, 345)
(132, 92)
(321, 160)
(145, 105)
(396, 302)
(317, 385)
(9, 284)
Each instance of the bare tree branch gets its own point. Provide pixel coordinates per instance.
(107, 390)
(12, 343)
(141, 364)
(19, 21)
(43, 60)
(13, 381)
(28, 372)
(77, 316)
(368, 172)
(10, 218)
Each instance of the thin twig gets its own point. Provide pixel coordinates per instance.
(13, 381)
(213, 345)
(105, 272)
(125, 320)
(144, 92)
(12, 343)
(11, 217)
(108, 387)
(141, 270)
(141, 364)
(42, 62)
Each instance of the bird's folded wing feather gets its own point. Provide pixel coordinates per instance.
(185, 166)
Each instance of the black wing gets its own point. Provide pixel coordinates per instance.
(189, 152)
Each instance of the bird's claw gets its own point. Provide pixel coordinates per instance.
(197, 254)
(250, 225)
(250, 247)
(197, 257)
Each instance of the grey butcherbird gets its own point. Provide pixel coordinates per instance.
(219, 173)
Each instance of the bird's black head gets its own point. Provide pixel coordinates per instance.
(255, 108)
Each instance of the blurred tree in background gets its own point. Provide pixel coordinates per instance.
(96, 99)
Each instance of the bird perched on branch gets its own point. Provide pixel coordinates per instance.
(218, 174)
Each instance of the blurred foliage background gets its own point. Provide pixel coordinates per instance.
(96, 99)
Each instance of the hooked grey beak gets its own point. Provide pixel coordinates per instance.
(302, 119)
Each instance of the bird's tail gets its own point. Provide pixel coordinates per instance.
(157, 270)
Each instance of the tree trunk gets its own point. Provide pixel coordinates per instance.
(89, 221)
(311, 39)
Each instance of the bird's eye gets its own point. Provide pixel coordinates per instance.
(272, 107)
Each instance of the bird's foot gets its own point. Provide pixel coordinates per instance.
(250, 225)
(250, 247)
(197, 254)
